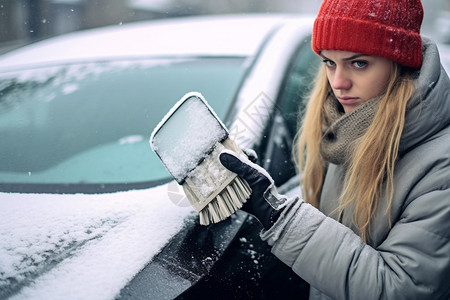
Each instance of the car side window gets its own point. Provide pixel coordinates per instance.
(290, 105)
(297, 85)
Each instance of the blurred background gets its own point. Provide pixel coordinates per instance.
(26, 21)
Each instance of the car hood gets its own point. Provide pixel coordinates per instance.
(51, 245)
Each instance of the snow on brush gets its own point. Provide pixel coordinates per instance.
(187, 134)
(82, 246)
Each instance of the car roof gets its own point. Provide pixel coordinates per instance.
(444, 53)
(224, 35)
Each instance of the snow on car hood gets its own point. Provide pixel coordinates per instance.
(82, 246)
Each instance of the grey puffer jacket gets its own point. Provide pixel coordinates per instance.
(410, 259)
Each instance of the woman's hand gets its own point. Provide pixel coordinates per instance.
(264, 203)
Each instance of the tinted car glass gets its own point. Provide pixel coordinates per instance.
(298, 84)
(290, 106)
(90, 123)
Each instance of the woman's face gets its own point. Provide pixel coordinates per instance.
(356, 78)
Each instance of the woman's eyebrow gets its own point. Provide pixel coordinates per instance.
(354, 56)
(323, 56)
(347, 58)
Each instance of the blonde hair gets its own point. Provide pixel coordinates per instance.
(373, 157)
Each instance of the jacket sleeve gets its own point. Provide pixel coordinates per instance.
(413, 262)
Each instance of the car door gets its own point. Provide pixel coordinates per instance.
(277, 148)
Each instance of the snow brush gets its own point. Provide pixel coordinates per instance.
(188, 141)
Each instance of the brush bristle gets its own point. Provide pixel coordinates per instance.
(226, 203)
(214, 191)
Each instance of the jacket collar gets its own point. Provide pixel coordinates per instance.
(428, 111)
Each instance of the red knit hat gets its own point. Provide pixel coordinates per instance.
(386, 28)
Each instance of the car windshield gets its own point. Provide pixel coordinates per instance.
(89, 123)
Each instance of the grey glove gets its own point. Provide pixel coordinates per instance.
(264, 202)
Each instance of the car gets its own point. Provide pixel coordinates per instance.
(88, 211)
(444, 54)
(442, 25)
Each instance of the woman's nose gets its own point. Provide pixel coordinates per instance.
(341, 80)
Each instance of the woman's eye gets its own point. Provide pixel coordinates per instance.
(329, 63)
(359, 64)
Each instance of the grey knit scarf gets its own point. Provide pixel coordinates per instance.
(340, 130)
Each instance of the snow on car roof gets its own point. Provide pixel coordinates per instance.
(237, 35)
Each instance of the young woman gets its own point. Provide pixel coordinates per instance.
(374, 148)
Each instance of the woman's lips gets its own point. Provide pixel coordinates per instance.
(347, 99)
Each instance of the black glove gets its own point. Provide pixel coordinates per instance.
(264, 201)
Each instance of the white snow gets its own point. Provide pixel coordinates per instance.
(99, 241)
(180, 37)
(187, 134)
(69, 88)
(132, 139)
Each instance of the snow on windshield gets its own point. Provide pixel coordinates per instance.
(81, 246)
(76, 72)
